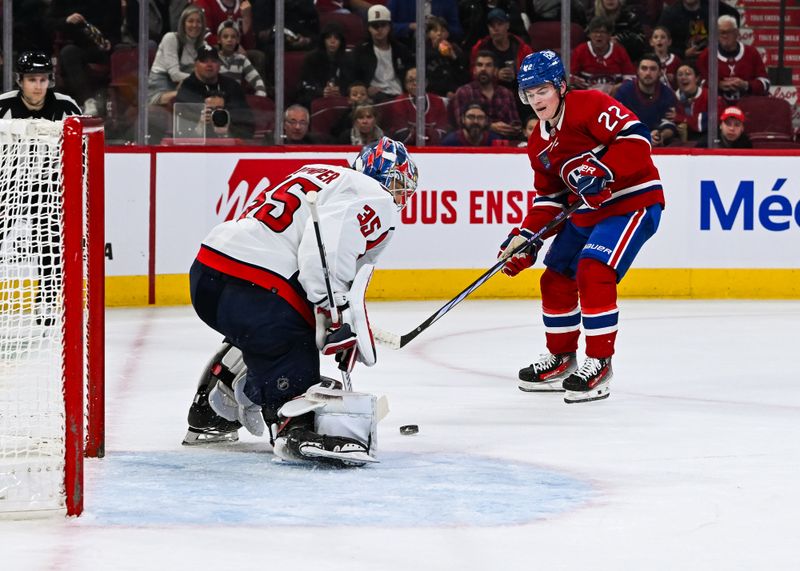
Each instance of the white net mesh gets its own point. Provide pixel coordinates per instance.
(32, 414)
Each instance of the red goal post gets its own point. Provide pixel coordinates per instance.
(51, 311)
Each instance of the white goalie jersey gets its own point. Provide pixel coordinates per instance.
(274, 242)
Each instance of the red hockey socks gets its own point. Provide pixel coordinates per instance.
(560, 311)
(597, 284)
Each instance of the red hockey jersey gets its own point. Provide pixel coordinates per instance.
(611, 68)
(592, 124)
(746, 64)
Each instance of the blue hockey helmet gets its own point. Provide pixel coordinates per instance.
(538, 68)
(388, 162)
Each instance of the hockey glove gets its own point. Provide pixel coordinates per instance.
(521, 260)
(339, 339)
(592, 180)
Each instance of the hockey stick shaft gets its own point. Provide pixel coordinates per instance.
(346, 363)
(399, 341)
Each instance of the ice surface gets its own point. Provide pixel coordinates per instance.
(692, 462)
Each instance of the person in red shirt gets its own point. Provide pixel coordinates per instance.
(740, 68)
(601, 63)
(590, 148)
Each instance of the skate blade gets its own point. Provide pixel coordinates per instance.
(527, 387)
(573, 397)
(350, 458)
(199, 438)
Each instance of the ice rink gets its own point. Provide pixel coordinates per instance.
(692, 463)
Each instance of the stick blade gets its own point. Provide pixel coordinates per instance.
(386, 338)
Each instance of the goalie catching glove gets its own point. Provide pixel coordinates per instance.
(353, 332)
(523, 259)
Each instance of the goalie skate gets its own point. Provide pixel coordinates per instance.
(548, 373)
(589, 383)
(305, 444)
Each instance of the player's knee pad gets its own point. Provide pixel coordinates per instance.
(558, 291)
(597, 283)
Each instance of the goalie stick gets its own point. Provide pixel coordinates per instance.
(347, 360)
(396, 341)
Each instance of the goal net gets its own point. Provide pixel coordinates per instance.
(51, 311)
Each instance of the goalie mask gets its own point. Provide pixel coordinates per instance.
(388, 162)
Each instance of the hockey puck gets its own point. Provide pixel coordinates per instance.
(409, 429)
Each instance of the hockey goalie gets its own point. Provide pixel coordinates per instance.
(266, 282)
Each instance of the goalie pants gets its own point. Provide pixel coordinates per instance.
(277, 343)
(579, 286)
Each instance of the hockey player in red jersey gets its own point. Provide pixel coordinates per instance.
(260, 281)
(587, 147)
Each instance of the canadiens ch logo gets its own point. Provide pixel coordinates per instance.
(570, 170)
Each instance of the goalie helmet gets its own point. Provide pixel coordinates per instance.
(388, 162)
(538, 68)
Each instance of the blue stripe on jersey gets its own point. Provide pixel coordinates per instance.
(619, 198)
(637, 128)
(603, 321)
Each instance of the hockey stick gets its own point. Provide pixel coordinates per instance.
(348, 358)
(396, 341)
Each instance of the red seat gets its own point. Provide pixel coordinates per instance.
(765, 114)
(263, 113)
(325, 111)
(352, 25)
(547, 35)
(775, 145)
(292, 68)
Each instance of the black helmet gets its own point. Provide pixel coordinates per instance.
(34, 62)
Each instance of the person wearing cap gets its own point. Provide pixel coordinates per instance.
(509, 49)
(473, 13)
(217, 93)
(731, 131)
(381, 61)
(404, 17)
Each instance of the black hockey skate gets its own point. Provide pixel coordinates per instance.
(335, 451)
(590, 382)
(547, 374)
(205, 425)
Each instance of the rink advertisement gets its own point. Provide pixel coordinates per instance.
(730, 229)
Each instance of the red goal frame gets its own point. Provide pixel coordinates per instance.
(83, 138)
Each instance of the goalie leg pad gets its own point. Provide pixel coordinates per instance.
(344, 427)
(357, 316)
(232, 404)
(205, 425)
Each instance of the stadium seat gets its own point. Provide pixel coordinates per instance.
(766, 115)
(264, 114)
(355, 32)
(547, 35)
(775, 145)
(292, 68)
(325, 112)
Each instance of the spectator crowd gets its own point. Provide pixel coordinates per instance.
(350, 75)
